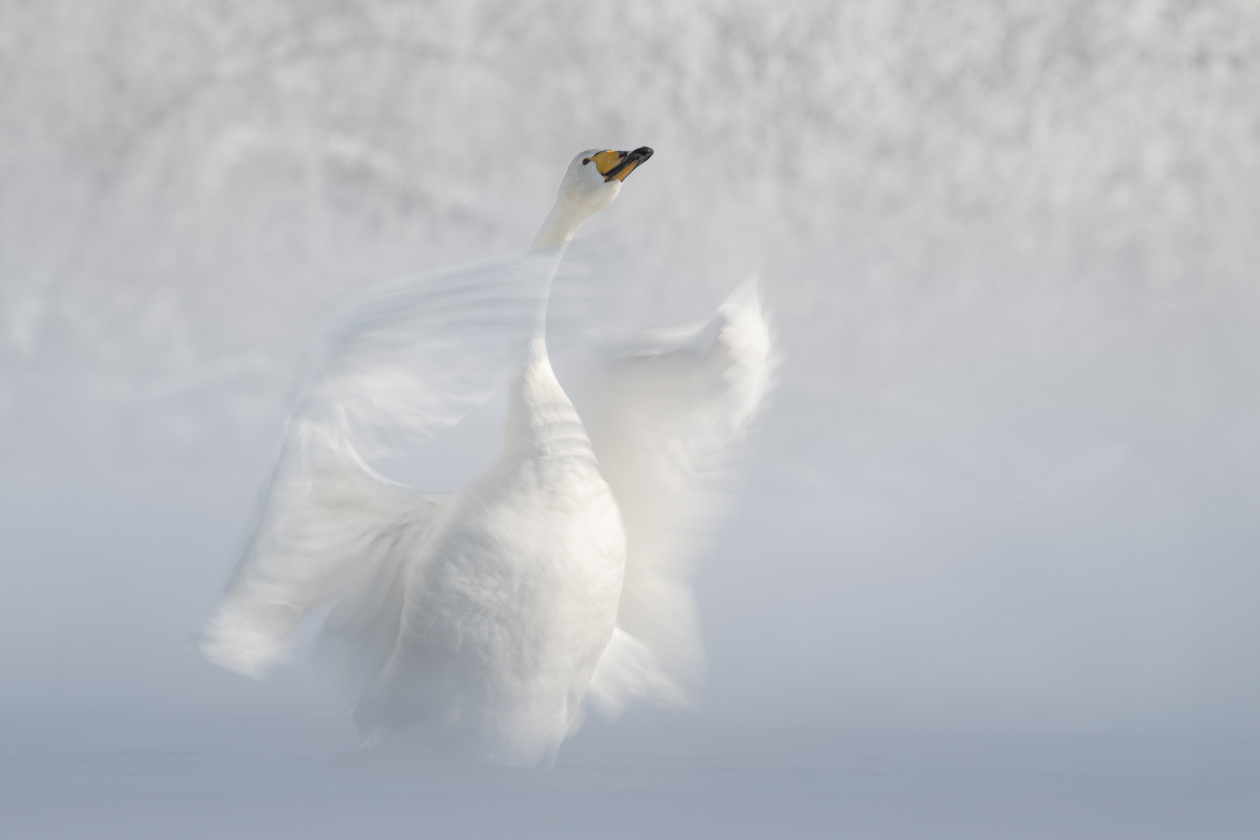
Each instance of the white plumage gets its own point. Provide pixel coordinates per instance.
(478, 621)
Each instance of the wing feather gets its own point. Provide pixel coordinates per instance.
(402, 360)
(669, 406)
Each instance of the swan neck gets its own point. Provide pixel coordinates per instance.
(557, 231)
(552, 240)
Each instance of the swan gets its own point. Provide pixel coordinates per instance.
(479, 621)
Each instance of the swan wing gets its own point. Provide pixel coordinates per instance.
(669, 405)
(404, 359)
(330, 531)
(408, 359)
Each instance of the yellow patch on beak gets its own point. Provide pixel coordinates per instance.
(605, 161)
(615, 166)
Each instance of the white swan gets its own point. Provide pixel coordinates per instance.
(478, 621)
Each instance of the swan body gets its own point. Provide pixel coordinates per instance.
(506, 615)
(478, 621)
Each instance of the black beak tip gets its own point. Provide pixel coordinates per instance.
(643, 153)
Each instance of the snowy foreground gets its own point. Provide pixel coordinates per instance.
(278, 780)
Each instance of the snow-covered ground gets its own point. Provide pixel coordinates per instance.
(277, 779)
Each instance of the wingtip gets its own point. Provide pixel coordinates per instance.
(747, 329)
(232, 645)
(746, 295)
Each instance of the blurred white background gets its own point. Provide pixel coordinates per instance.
(1010, 480)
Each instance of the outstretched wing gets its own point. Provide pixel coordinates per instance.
(330, 529)
(409, 358)
(669, 406)
(405, 359)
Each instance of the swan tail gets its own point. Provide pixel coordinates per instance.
(630, 669)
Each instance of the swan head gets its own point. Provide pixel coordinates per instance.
(590, 184)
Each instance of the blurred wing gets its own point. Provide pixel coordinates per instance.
(330, 530)
(411, 357)
(668, 408)
(408, 358)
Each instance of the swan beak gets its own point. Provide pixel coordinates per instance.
(615, 166)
